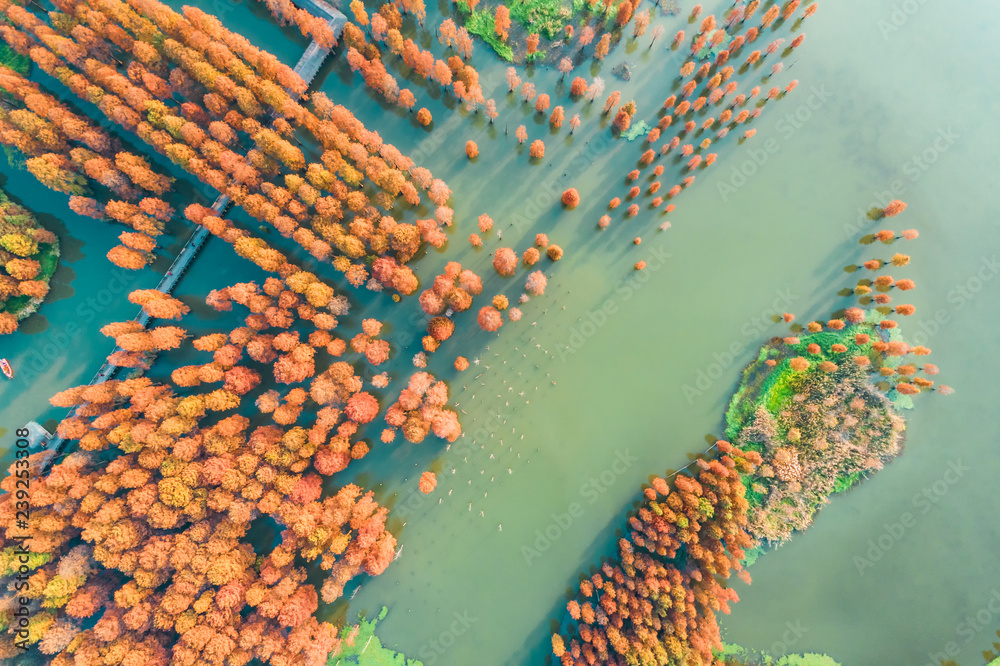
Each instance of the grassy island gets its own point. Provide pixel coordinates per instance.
(819, 430)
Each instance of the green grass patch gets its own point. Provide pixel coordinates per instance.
(845, 482)
(482, 24)
(542, 17)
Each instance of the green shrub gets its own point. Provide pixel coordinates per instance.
(543, 17)
(482, 24)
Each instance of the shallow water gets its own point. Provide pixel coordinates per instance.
(627, 344)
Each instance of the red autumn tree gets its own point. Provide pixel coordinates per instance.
(501, 22)
(505, 261)
(428, 481)
(489, 318)
(571, 198)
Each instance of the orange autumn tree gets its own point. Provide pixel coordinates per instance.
(139, 543)
(655, 600)
(158, 305)
(420, 410)
(98, 518)
(501, 22)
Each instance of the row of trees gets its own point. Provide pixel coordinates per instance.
(454, 74)
(311, 26)
(195, 91)
(712, 85)
(655, 601)
(69, 154)
(23, 278)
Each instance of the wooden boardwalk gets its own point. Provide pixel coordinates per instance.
(307, 67)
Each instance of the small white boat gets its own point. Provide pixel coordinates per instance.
(5, 366)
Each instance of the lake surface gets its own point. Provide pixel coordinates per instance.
(604, 357)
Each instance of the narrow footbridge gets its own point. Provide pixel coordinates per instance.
(307, 67)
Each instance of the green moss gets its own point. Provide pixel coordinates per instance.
(367, 649)
(482, 24)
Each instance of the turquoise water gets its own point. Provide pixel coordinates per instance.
(627, 344)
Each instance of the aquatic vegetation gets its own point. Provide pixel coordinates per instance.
(360, 645)
(734, 655)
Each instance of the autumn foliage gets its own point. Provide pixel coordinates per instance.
(22, 244)
(571, 198)
(681, 544)
(505, 261)
(428, 481)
